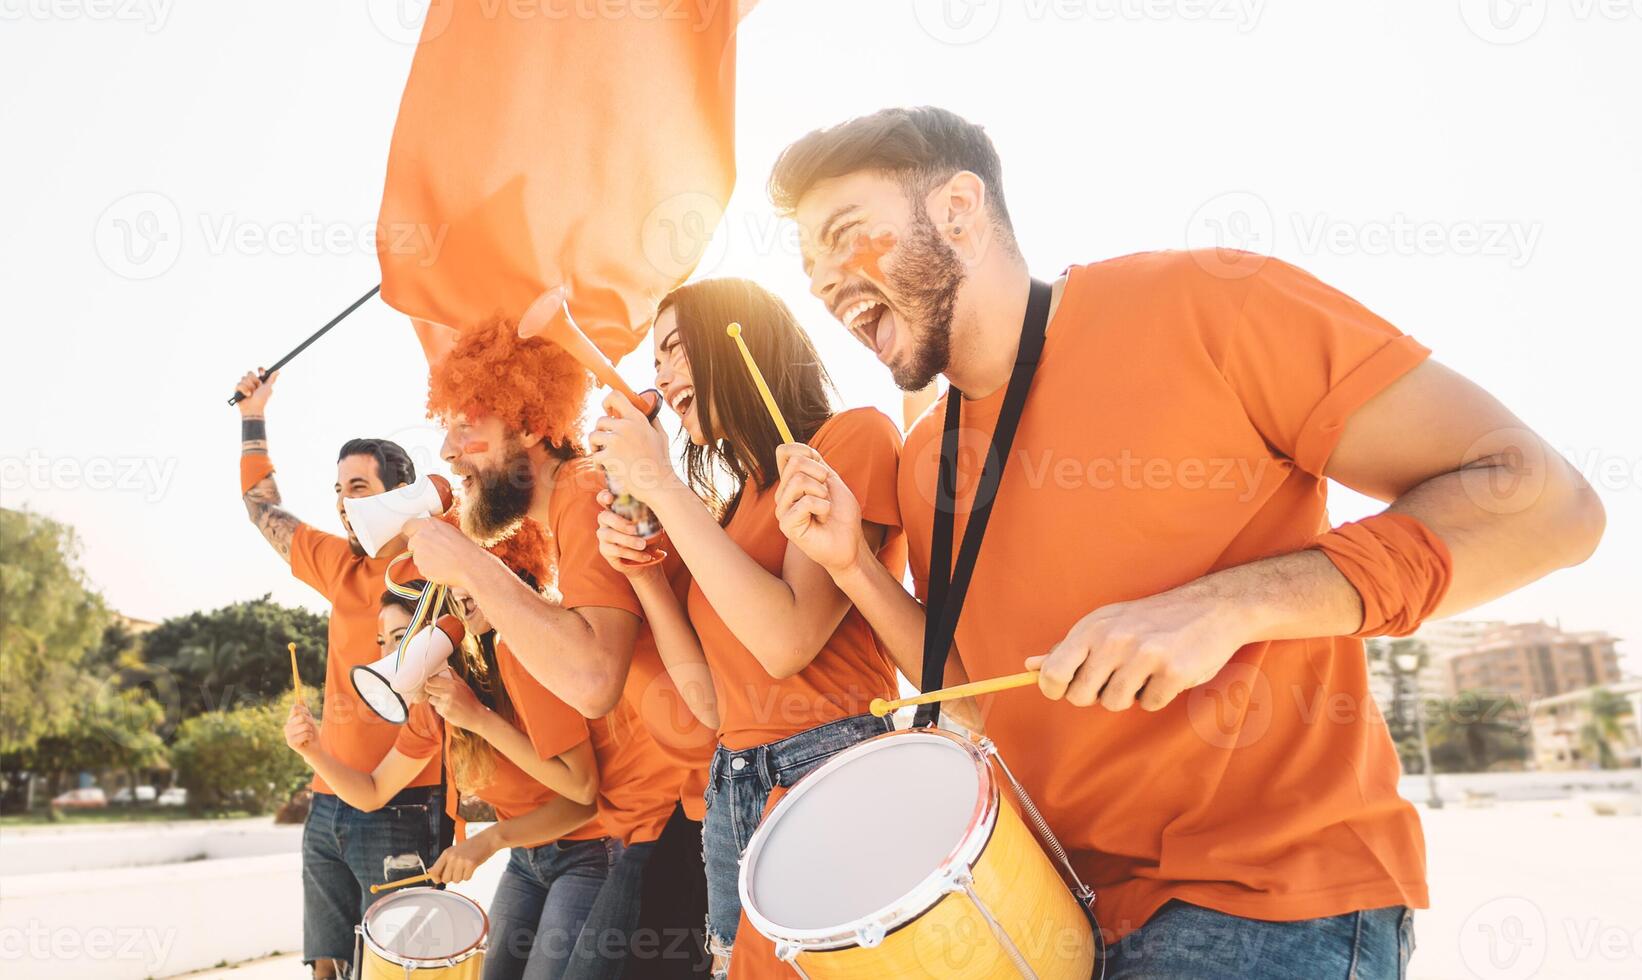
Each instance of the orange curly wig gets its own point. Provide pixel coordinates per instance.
(532, 385)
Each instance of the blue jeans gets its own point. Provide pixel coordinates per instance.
(738, 786)
(345, 851)
(541, 904)
(600, 952)
(1188, 941)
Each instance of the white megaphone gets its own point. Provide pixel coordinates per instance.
(378, 519)
(391, 685)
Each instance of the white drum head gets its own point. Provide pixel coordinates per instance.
(425, 924)
(857, 838)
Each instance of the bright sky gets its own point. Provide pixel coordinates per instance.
(189, 186)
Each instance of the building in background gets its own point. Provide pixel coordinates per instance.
(1590, 728)
(1525, 661)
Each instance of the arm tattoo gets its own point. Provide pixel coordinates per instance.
(262, 501)
(276, 525)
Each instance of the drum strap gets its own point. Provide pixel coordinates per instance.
(948, 583)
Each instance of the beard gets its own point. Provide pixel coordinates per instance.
(925, 280)
(502, 499)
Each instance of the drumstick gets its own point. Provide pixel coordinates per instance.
(296, 678)
(734, 330)
(413, 879)
(880, 707)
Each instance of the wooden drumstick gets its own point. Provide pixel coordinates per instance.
(734, 330)
(296, 678)
(880, 707)
(413, 879)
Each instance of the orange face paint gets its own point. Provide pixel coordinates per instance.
(476, 446)
(866, 252)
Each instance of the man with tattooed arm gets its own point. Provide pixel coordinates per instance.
(344, 850)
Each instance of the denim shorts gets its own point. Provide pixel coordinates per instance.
(738, 787)
(346, 850)
(1189, 941)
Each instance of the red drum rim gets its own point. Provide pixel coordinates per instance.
(868, 930)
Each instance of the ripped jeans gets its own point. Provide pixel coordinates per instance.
(345, 851)
(738, 787)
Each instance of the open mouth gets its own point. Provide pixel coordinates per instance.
(681, 400)
(872, 323)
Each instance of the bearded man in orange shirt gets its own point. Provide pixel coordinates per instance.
(1156, 538)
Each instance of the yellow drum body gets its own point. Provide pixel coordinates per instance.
(423, 934)
(897, 859)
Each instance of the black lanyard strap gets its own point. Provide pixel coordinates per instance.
(948, 583)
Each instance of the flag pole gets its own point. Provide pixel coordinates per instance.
(356, 304)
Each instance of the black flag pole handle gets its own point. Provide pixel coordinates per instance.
(356, 304)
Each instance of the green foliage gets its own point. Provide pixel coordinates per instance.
(238, 759)
(1476, 731)
(1601, 733)
(108, 728)
(48, 619)
(234, 656)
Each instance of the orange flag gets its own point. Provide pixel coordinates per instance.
(583, 147)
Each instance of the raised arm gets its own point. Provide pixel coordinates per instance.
(261, 494)
(361, 790)
(573, 774)
(821, 517)
(675, 638)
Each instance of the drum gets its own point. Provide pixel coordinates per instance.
(422, 932)
(898, 858)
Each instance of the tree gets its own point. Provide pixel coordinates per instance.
(238, 760)
(1599, 735)
(233, 656)
(1472, 732)
(49, 618)
(108, 728)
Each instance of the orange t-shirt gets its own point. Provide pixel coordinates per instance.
(677, 732)
(553, 727)
(353, 585)
(639, 782)
(864, 447)
(1179, 423)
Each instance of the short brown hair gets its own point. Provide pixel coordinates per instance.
(921, 147)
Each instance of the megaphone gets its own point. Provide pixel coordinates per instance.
(378, 519)
(391, 685)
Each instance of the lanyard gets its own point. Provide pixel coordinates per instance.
(949, 584)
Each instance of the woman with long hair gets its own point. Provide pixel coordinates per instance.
(793, 666)
(542, 785)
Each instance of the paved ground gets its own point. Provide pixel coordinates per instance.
(1519, 890)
